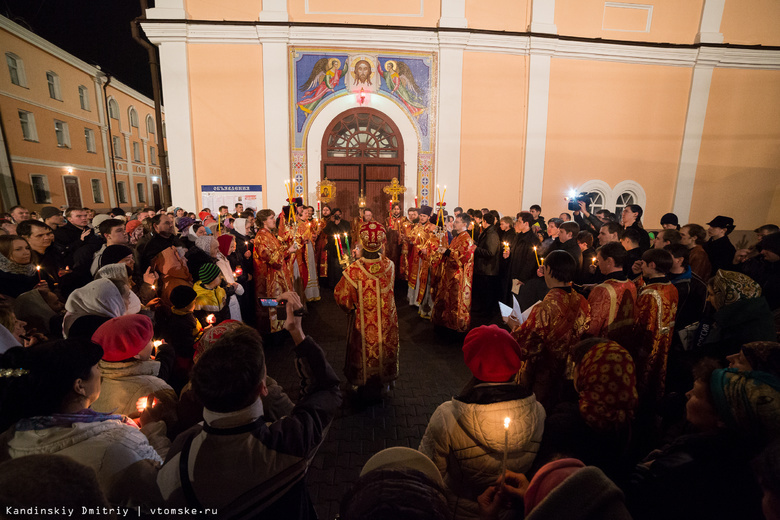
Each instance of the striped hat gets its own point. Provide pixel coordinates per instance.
(208, 272)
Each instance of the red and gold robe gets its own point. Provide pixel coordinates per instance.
(273, 277)
(452, 293)
(427, 245)
(393, 227)
(656, 311)
(365, 291)
(613, 312)
(406, 233)
(307, 265)
(546, 338)
(321, 248)
(414, 262)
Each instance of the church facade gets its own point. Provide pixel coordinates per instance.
(502, 104)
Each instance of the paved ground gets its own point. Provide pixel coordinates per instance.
(432, 371)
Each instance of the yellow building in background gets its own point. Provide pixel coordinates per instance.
(72, 136)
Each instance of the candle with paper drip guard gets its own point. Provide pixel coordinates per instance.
(506, 247)
(507, 420)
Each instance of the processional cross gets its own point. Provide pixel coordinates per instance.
(394, 190)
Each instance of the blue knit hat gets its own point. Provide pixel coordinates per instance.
(208, 272)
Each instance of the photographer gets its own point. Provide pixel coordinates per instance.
(587, 221)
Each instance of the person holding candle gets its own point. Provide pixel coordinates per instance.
(212, 298)
(426, 244)
(466, 438)
(335, 228)
(366, 293)
(17, 272)
(408, 253)
(394, 224)
(225, 260)
(613, 302)
(272, 270)
(521, 257)
(321, 242)
(452, 298)
(44, 253)
(182, 330)
(306, 234)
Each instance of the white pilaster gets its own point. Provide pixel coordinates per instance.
(447, 165)
(274, 11)
(536, 127)
(543, 17)
(453, 14)
(276, 115)
(711, 16)
(694, 128)
(178, 121)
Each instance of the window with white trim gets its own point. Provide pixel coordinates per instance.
(117, 142)
(27, 120)
(40, 189)
(140, 191)
(121, 192)
(97, 191)
(89, 137)
(150, 125)
(63, 135)
(133, 115)
(113, 109)
(54, 86)
(84, 97)
(16, 69)
(597, 201)
(136, 152)
(153, 155)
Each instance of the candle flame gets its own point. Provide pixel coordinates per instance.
(507, 420)
(37, 268)
(157, 343)
(211, 319)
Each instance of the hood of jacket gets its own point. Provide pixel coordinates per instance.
(485, 422)
(135, 367)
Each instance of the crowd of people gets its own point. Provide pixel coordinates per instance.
(636, 376)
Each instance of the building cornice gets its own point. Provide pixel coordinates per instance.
(425, 39)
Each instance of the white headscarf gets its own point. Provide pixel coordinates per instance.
(100, 298)
(7, 340)
(204, 243)
(119, 272)
(240, 225)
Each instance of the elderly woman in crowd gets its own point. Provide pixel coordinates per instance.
(41, 309)
(47, 391)
(101, 298)
(227, 246)
(204, 252)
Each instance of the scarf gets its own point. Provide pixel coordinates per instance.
(9, 266)
(87, 415)
(100, 298)
(729, 287)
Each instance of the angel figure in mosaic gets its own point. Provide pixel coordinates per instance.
(400, 80)
(324, 78)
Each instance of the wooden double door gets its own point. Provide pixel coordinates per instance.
(362, 152)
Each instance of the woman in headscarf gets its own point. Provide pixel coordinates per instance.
(204, 252)
(41, 309)
(99, 298)
(227, 246)
(118, 274)
(17, 273)
(244, 250)
(763, 356)
(47, 391)
(741, 315)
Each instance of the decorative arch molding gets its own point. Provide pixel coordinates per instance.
(611, 194)
(388, 107)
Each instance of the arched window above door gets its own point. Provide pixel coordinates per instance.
(362, 135)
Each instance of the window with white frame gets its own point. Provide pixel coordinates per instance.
(63, 136)
(152, 155)
(624, 199)
(89, 137)
(84, 97)
(54, 86)
(121, 192)
(140, 192)
(597, 201)
(117, 142)
(150, 126)
(40, 189)
(27, 120)
(97, 191)
(136, 152)
(113, 109)
(16, 69)
(133, 115)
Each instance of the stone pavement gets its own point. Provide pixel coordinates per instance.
(431, 372)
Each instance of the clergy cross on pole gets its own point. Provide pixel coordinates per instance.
(394, 190)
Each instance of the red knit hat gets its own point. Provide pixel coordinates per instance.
(131, 225)
(372, 235)
(124, 337)
(491, 353)
(224, 243)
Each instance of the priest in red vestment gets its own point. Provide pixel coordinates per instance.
(656, 311)
(427, 244)
(273, 274)
(394, 226)
(406, 250)
(553, 327)
(613, 302)
(452, 294)
(365, 292)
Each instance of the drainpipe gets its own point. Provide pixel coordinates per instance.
(154, 66)
(110, 136)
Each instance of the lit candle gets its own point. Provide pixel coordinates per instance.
(541, 264)
(415, 201)
(507, 420)
(239, 271)
(506, 247)
(210, 319)
(38, 268)
(156, 344)
(246, 242)
(154, 287)
(338, 247)
(537, 257)
(346, 241)
(592, 260)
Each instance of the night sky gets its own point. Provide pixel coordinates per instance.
(96, 31)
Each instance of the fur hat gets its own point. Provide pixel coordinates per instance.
(492, 354)
(124, 337)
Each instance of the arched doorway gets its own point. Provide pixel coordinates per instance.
(362, 150)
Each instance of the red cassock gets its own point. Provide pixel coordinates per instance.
(656, 311)
(613, 312)
(365, 291)
(546, 338)
(452, 293)
(273, 277)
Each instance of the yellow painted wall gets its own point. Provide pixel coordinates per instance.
(614, 122)
(672, 21)
(226, 95)
(423, 13)
(498, 15)
(739, 161)
(247, 10)
(492, 131)
(751, 22)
